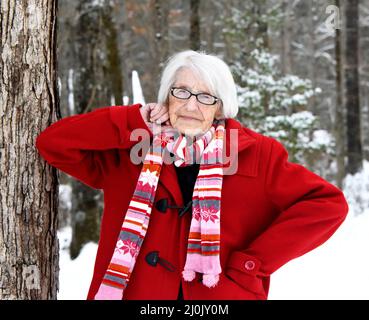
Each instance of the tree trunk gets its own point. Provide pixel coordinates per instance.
(161, 43)
(113, 68)
(28, 186)
(85, 218)
(286, 38)
(146, 42)
(354, 149)
(262, 26)
(313, 20)
(195, 25)
(364, 74)
(97, 79)
(339, 118)
(178, 26)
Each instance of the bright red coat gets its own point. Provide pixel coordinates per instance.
(272, 210)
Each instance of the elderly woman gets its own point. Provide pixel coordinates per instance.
(202, 226)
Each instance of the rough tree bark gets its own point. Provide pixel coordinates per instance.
(28, 186)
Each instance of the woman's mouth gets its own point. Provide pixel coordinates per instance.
(188, 118)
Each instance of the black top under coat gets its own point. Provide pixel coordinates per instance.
(186, 179)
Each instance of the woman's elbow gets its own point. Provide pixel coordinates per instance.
(40, 143)
(45, 147)
(342, 207)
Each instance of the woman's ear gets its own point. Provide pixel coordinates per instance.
(219, 113)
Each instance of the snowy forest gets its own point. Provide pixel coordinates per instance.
(302, 74)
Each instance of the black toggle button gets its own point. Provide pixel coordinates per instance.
(152, 258)
(162, 206)
(185, 209)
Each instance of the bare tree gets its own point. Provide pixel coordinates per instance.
(195, 25)
(28, 186)
(339, 117)
(354, 149)
(178, 25)
(145, 39)
(364, 73)
(286, 37)
(160, 45)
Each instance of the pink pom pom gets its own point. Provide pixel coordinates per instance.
(188, 275)
(210, 280)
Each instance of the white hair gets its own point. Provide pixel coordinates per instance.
(213, 71)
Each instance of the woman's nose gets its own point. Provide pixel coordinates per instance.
(192, 103)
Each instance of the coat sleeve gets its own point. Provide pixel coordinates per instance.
(310, 210)
(78, 145)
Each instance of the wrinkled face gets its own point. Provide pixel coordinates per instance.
(190, 117)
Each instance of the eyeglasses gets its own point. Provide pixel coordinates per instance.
(201, 97)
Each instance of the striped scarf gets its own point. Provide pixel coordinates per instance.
(203, 246)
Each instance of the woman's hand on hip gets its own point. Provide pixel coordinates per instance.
(155, 113)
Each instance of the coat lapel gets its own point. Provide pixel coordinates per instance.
(237, 140)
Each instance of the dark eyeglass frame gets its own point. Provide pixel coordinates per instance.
(194, 94)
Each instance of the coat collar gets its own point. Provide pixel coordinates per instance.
(168, 175)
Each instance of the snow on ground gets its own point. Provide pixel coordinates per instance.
(336, 270)
(74, 275)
